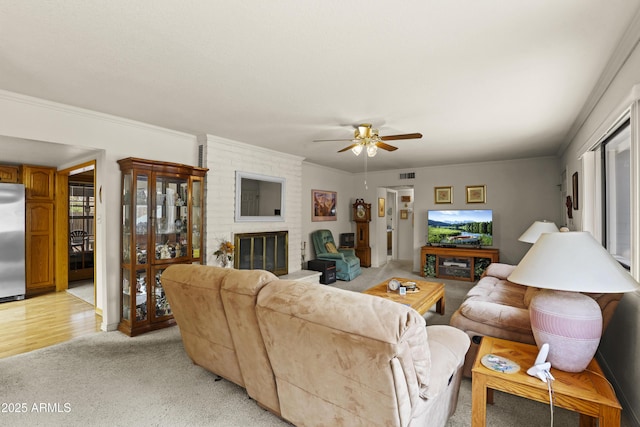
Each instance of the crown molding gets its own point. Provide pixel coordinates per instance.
(85, 113)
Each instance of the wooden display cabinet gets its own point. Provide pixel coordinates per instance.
(162, 224)
(455, 263)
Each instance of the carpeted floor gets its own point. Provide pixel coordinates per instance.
(109, 379)
(82, 289)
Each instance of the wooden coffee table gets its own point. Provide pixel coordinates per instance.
(588, 392)
(429, 293)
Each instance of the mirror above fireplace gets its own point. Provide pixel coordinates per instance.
(259, 197)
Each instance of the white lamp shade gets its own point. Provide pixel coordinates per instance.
(536, 229)
(572, 261)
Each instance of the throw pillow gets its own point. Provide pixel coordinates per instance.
(331, 248)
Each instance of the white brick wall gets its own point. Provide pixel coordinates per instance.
(224, 157)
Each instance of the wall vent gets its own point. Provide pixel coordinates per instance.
(408, 175)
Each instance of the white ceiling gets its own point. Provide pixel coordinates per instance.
(481, 80)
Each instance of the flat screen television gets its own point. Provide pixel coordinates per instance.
(460, 227)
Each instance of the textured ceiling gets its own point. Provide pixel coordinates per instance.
(481, 80)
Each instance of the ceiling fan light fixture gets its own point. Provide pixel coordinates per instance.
(364, 131)
(372, 149)
(357, 149)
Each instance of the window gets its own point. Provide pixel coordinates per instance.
(616, 173)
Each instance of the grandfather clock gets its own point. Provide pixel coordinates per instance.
(362, 216)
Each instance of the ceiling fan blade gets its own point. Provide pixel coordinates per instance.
(347, 148)
(332, 140)
(386, 146)
(404, 136)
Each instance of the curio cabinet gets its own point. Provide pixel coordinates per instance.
(162, 224)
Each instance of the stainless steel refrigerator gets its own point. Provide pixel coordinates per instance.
(12, 264)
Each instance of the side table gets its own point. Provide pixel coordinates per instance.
(587, 392)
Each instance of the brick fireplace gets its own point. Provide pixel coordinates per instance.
(262, 251)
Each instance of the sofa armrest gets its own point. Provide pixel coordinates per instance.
(347, 251)
(448, 346)
(499, 270)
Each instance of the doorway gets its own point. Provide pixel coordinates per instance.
(391, 223)
(399, 217)
(76, 227)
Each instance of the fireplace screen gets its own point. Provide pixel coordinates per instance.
(262, 251)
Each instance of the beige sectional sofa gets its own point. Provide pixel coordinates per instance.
(498, 308)
(317, 355)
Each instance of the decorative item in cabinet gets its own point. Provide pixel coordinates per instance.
(162, 224)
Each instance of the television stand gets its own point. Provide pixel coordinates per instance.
(456, 263)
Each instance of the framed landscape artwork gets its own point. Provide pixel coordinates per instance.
(324, 205)
(476, 194)
(443, 195)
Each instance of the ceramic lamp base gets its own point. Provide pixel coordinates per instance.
(571, 323)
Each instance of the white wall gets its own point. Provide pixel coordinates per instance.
(406, 227)
(518, 191)
(316, 177)
(113, 138)
(223, 158)
(620, 345)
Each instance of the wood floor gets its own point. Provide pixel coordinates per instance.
(44, 320)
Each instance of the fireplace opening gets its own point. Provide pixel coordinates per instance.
(262, 251)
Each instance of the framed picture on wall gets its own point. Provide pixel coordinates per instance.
(380, 206)
(324, 205)
(443, 195)
(404, 214)
(574, 180)
(476, 194)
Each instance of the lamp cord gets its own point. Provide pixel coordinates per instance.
(550, 387)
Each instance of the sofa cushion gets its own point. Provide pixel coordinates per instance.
(497, 303)
(194, 294)
(331, 248)
(497, 315)
(324, 343)
(239, 293)
(529, 294)
(497, 290)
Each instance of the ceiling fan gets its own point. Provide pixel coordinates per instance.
(367, 138)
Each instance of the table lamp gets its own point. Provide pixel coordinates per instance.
(564, 265)
(536, 229)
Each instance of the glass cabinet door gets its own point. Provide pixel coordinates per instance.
(127, 201)
(171, 195)
(196, 217)
(142, 218)
(134, 296)
(159, 300)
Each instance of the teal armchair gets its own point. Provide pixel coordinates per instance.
(347, 263)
